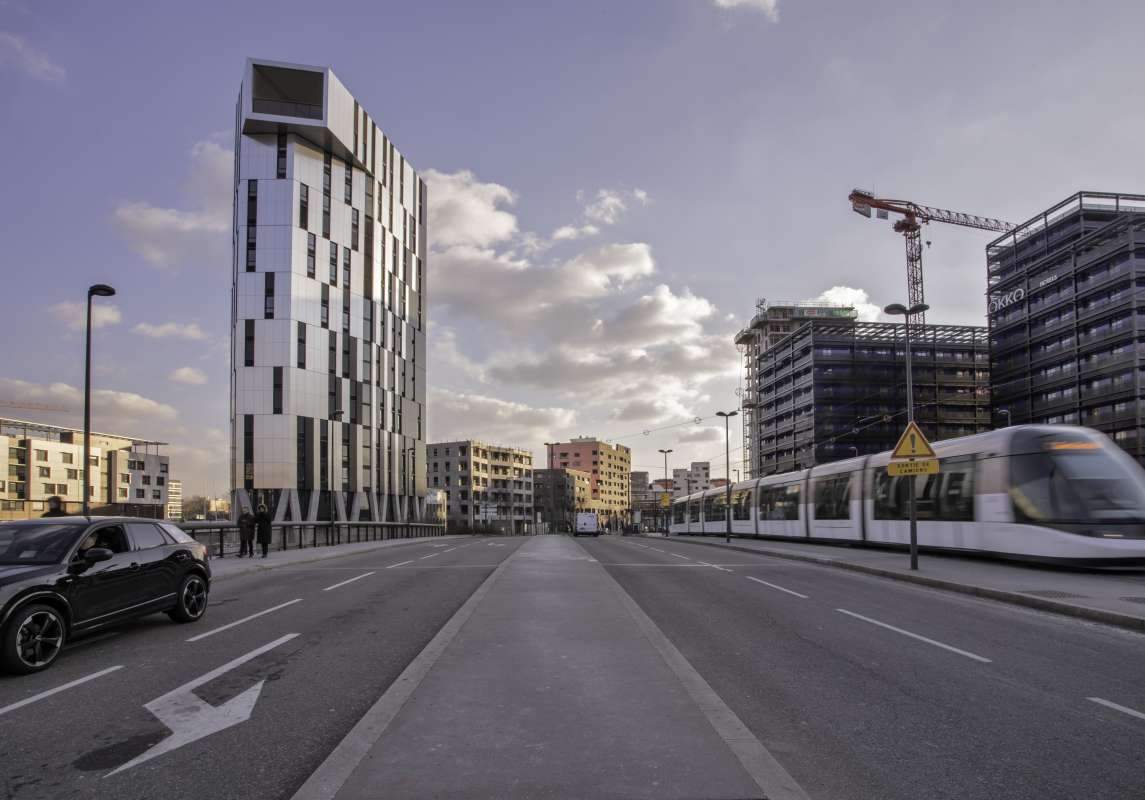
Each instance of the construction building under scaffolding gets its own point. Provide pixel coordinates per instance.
(772, 322)
(832, 390)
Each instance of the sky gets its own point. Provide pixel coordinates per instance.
(613, 185)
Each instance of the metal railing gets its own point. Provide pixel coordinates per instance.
(222, 538)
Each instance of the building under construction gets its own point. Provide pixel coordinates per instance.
(833, 390)
(772, 322)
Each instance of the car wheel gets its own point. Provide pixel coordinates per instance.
(191, 602)
(34, 637)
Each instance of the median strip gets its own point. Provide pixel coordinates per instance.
(230, 625)
(914, 636)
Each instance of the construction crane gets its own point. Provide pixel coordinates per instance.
(914, 216)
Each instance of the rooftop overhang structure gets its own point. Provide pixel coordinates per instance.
(296, 98)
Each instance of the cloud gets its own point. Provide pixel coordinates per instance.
(457, 415)
(655, 318)
(16, 52)
(701, 435)
(845, 295)
(768, 7)
(446, 356)
(466, 212)
(570, 232)
(72, 314)
(165, 237)
(606, 207)
(188, 375)
(124, 407)
(190, 330)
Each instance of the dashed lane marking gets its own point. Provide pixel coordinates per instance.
(27, 701)
(230, 625)
(1107, 703)
(431, 555)
(774, 586)
(914, 636)
(351, 580)
(400, 564)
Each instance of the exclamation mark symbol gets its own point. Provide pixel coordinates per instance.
(913, 449)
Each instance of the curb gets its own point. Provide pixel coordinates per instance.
(325, 556)
(1113, 618)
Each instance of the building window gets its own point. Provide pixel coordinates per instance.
(160, 481)
(268, 300)
(332, 349)
(41, 455)
(163, 467)
(248, 451)
(44, 472)
(248, 342)
(73, 474)
(304, 206)
(346, 268)
(122, 493)
(311, 248)
(278, 390)
(302, 453)
(251, 223)
(67, 458)
(349, 193)
(325, 306)
(140, 494)
(326, 166)
(124, 477)
(156, 494)
(301, 362)
(280, 172)
(146, 480)
(333, 264)
(354, 228)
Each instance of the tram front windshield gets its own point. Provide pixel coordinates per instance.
(1072, 478)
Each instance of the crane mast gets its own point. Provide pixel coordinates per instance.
(914, 216)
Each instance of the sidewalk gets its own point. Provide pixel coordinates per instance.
(233, 565)
(550, 689)
(1116, 598)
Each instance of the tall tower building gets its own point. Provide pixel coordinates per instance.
(328, 356)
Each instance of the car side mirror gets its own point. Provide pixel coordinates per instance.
(96, 554)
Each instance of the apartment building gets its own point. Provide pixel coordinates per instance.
(695, 478)
(559, 494)
(128, 475)
(328, 377)
(486, 485)
(608, 467)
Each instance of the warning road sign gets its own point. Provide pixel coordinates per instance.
(922, 466)
(912, 444)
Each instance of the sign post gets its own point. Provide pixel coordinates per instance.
(913, 456)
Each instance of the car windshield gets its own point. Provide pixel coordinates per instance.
(36, 543)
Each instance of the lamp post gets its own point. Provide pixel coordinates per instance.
(98, 290)
(855, 453)
(727, 415)
(334, 417)
(552, 515)
(898, 309)
(666, 485)
(1005, 411)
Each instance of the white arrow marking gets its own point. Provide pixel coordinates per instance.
(191, 718)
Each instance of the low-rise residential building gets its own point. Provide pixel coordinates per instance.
(608, 468)
(175, 499)
(559, 494)
(487, 486)
(128, 475)
(696, 478)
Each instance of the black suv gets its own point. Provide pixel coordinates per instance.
(65, 576)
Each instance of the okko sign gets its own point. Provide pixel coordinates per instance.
(1000, 301)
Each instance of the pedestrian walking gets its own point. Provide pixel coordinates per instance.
(262, 521)
(246, 534)
(55, 507)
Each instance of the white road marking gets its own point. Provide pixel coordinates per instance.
(446, 551)
(1108, 704)
(431, 555)
(230, 625)
(190, 718)
(914, 636)
(773, 586)
(27, 701)
(351, 580)
(715, 566)
(399, 564)
(677, 555)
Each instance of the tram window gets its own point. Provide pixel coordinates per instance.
(779, 502)
(716, 508)
(693, 510)
(741, 504)
(833, 497)
(708, 509)
(678, 511)
(957, 500)
(947, 495)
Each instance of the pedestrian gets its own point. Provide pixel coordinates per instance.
(55, 507)
(262, 520)
(246, 534)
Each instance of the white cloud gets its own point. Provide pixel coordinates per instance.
(846, 295)
(465, 211)
(445, 356)
(120, 407)
(606, 207)
(190, 330)
(768, 7)
(457, 415)
(641, 196)
(655, 318)
(188, 375)
(571, 232)
(16, 52)
(702, 435)
(72, 314)
(168, 236)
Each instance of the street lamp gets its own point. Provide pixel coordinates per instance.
(98, 290)
(898, 309)
(666, 485)
(1005, 411)
(727, 415)
(855, 454)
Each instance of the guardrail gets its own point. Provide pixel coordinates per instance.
(223, 537)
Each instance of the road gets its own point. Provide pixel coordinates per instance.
(993, 703)
(349, 644)
(857, 686)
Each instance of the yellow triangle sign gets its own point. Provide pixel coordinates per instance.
(912, 444)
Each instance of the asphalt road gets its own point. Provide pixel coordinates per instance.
(324, 660)
(993, 702)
